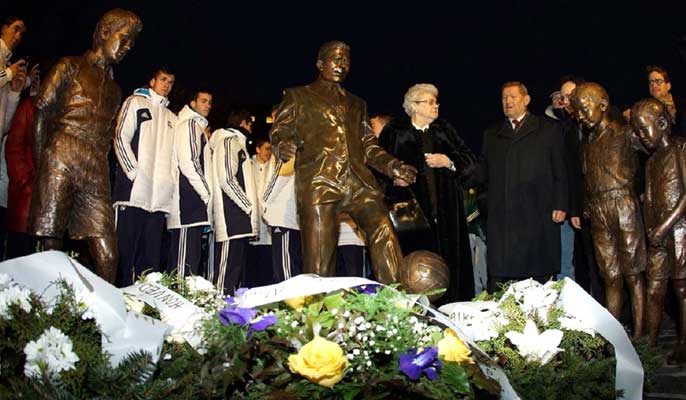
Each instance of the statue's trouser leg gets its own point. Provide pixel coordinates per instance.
(613, 296)
(383, 245)
(367, 208)
(608, 263)
(618, 240)
(104, 253)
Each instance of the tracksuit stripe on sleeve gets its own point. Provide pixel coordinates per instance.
(123, 154)
(229, 175)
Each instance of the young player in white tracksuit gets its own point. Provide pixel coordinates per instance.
(259, 265)
(143, 186)
(235, 206)
(191, 205)
(281, 215)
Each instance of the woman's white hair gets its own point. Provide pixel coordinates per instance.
(414, 93)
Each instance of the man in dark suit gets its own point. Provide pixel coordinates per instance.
(329, 129)
(524, 166)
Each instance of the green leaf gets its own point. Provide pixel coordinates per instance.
(457, 376)
(326, 320)
(314, 308)
(334, 301)
(351, 393)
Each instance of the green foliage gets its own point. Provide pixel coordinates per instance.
(93, 376)
(650, 358)
(585, 369)
(239, 367)
(372, 330)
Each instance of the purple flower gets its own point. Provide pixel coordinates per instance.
(232, 301)
(416, 362)
(237, 315)
(233, 314)
(372, 288)
(262, 323)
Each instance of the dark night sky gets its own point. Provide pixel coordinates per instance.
(248, 53)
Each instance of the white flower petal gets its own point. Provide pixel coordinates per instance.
(53, 350)
(534, 346)
(153, 277)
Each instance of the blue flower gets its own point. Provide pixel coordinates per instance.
(233, 314)
(261, 323)
(418, 361)
(233, 300)
(372, 288)
(237, 315)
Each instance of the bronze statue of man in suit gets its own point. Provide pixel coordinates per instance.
(609, 163)
(329, 129)
(73, 128)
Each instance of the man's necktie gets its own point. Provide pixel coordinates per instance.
(515, 124)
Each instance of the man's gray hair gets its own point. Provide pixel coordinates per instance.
(520, 85)
(414, 93)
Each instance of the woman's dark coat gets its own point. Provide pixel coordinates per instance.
(449, 237)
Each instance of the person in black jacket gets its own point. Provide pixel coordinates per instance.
(433, 147)
(524, 168)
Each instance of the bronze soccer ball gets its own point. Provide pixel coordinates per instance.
(422, 271)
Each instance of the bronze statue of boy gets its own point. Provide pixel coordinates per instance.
(665, 214)
(73, 128)
(609, 163)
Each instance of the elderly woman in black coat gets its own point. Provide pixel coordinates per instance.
(433, 146)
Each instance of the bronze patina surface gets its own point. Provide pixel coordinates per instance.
(664, 211)
(609, 163)
(328, 128)
(73, 128)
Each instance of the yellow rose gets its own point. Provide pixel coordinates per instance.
(453, 349)
(296, 303)
(319, 361)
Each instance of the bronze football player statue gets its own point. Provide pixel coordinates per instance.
(665, 215)
(73, 128)
(329, 129)
(609, 163)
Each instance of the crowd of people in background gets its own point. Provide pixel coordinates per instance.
(213, 201)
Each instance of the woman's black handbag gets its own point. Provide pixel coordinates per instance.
(406, 214)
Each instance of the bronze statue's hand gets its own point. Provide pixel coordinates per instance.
(286, 150)
(559, 216)
(405, 172)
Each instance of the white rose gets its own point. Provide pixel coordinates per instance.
(153, 277)
(198, 283)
